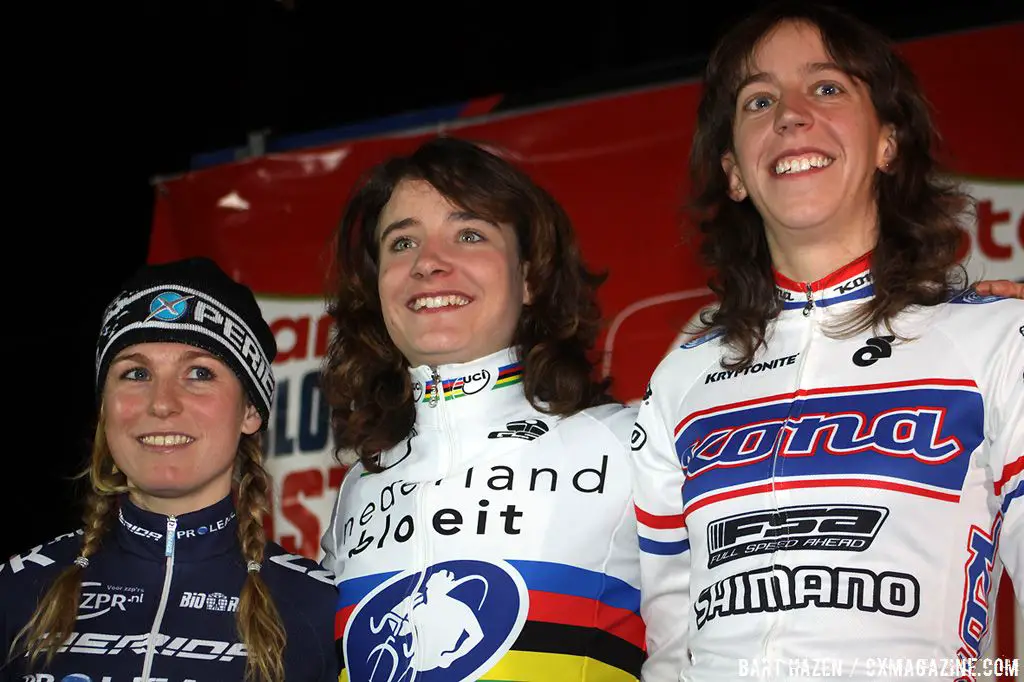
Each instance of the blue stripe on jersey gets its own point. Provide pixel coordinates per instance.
(351, 592)
(663, 548)
(1012, 495)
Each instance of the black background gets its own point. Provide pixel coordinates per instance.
(100, 97)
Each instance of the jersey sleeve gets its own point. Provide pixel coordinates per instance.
(663, 538)
(332, 665)
(1007, 461)
(331, 539)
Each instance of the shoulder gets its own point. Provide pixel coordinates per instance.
(978, 319)
(616, 418)
(305, 595)
(298, 573)
(40, 563)
(692, 357)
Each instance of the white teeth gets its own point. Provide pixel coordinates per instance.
(439, 302)
(161, 440)
(801, 164)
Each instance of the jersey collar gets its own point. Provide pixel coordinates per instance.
(851, 282)
(479, 411)
(492, 382)
(199, 534)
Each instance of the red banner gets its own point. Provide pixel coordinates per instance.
(617, 162)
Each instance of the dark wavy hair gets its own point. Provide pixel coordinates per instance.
(366, 379)
(919, 212)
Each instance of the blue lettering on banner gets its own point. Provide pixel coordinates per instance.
(314, 418)
(452, 621)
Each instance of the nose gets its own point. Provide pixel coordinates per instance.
(792, 113)
(165, 399)
(431, 261)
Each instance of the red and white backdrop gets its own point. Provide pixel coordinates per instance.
(617, 162)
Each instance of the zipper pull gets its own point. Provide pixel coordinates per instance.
(434, 390)
(810, 301)
(172, 532)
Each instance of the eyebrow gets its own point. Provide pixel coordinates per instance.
(141, 358)
(454, 216)
(813, 67)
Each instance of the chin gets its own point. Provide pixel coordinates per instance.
(804, 218)
(441, 347)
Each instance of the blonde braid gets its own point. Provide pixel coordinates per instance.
(53, 621)
(259, 623)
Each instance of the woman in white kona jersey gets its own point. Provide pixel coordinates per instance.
(487, 531)
(833, 470)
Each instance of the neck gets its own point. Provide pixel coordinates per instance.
(809, 254)
(177, 506)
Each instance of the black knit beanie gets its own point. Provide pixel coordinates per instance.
(194, 302)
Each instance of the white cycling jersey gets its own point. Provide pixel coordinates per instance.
(499, 543)
(849, 500)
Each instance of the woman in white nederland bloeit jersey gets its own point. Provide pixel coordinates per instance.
(487, 531)
(834, 469)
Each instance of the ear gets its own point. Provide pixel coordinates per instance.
(527, 294)
(887, 147)
(251, 420)
(737, 190)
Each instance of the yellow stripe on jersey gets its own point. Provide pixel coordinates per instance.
(530, 666)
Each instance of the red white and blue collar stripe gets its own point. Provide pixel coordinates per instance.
(849, 283)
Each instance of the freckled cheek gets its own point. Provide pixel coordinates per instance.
(121, 408)
(214, 414)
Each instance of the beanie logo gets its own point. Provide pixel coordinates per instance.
(168, 306)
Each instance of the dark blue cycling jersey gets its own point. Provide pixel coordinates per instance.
(159, 601)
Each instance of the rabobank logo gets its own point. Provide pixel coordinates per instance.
(168, 306)
(451, 623)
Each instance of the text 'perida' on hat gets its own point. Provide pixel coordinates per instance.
(194, 302)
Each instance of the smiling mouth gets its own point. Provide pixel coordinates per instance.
(164, 440)
(799, 164)
(434, 302)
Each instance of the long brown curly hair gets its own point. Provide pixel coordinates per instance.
(920, 214)
(365, 377)
(258, 620)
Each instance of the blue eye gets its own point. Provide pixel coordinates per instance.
(201, 373)
(828, 89)
(758, 103)
(135, 374)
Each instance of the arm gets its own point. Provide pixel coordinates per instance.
(664, 540)
(333, 561)
(1008, 458)
(6, 636)
(325, 634)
